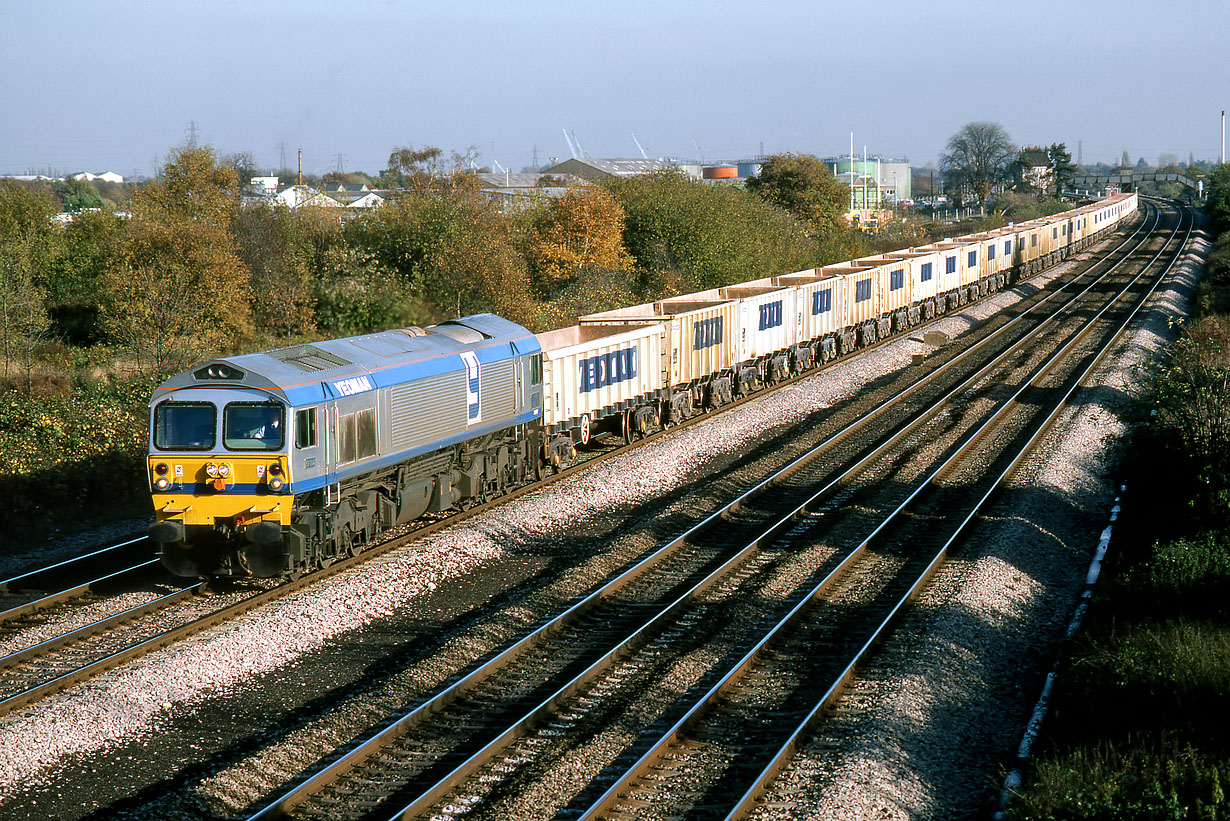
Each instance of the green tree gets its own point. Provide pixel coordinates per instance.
(685, 234)
(450, 248)
(77, 195)
(176, 288)
(28, 246)
(1189, 404)
(802, 185)
(75, 281)
(356, 294)
(1063, 170)
(274, 244)
(978, 158)
(1217, 192)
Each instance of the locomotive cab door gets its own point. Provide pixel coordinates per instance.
(332, 488)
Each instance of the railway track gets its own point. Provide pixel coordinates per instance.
(458, 749)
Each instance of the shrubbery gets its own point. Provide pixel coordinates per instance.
(73, 456)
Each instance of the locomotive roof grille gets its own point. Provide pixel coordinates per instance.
(309, 358)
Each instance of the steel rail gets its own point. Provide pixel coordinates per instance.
(610, 798)
(52, 599)
(7, 584)
(787, 751)
(402, 726)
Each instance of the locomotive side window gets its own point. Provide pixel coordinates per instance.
(305, 428)
(252, 426)
(536, 369)
(185, 426)
(346, 446)
(365, 430)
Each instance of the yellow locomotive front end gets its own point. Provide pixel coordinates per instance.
(219, 473)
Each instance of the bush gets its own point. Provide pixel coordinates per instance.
(73, 456)
(1147, 779)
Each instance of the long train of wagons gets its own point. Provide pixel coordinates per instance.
(276, 463)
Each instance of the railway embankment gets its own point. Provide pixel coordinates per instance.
(1131, 732)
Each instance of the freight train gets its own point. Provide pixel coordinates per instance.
(277, 463)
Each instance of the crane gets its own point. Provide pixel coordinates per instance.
(640, 147)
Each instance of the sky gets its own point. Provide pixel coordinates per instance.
(113, 85)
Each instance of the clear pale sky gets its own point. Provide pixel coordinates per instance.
(102, 85)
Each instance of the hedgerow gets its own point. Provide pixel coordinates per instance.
(72, 456)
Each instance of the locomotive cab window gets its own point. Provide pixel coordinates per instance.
(185, 426)
(305, 428)
(252, 426)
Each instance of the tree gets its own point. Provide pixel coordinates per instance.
(194, 185)
(978, 157)
(75, 280)
(685, 234)
(1217, 193)
(802, 185)
(1063, 170)
(582, 228)
(77, 195)
(451, 248)
(28, 246)
(425, 169)
(176, 288)
(273, 243)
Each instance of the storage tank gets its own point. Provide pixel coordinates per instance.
(721, 172)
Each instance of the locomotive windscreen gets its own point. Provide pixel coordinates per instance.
(185, 426)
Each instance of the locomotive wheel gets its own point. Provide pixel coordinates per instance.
(351, 544)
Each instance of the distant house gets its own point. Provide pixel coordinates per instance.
(519, 190)
(267, 186)
(1034, 168)
(596, 170)
(300, 196)
(346, 193)
(106, 176)
(370, 199)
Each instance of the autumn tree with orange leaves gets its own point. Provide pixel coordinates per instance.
(583, 228)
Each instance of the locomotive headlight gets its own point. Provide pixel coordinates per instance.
(224, 470)
(161, 468)
(162, 483)
(211, 470)
(275, 483)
